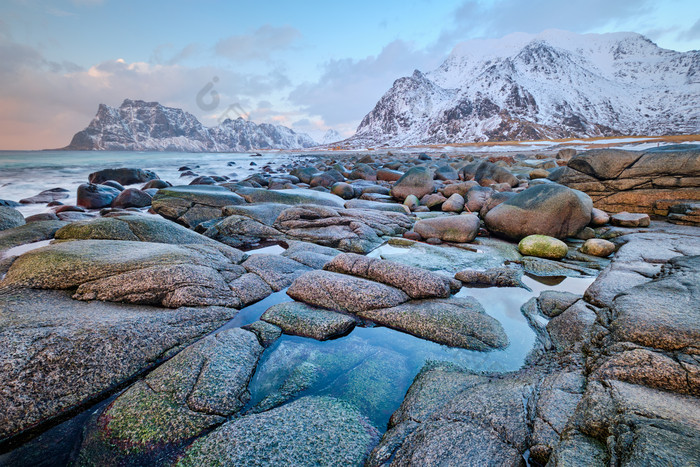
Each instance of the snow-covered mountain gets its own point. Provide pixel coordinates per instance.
(331, 136)
(555, 84)
(149, 126)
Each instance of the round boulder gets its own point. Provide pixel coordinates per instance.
(598, 247)
(93, 196)
(458, 229)
(454, 203)
(543, 246)
(553, 210)
(342, 189)
(599, 217)
(132, 198)
(10, 218)
(417, 181)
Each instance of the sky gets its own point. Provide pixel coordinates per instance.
(309, 65)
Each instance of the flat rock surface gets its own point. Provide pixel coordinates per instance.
(301, 319)
(344, 293)
(416, 282)
(309, 431)
(60, 353)
(459, 322)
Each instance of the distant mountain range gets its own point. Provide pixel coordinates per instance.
(555, 84)
(149, 126)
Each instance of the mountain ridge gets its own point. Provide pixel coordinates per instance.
(555, 84)
(138, 125)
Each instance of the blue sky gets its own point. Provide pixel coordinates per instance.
(310, 65)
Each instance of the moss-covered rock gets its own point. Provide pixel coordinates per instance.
(543, 246)
(301, 319)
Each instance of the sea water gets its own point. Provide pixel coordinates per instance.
(26, 173)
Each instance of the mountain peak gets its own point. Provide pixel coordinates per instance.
(137, 125)
(553, 84)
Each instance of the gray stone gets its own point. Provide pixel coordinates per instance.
(124, 176)
(626, 219)
(310, 254)
(250, 288)
(308, 431)
(10, 218)
(28, 233)
(456, 322)
(267, 333)
(552, 210)
(278, 271)
(193, 204)
(290, 197)
(344, 293)
(460, 229)
(132, 198)
(96, 196)
(265, 213)
(552, 303)
(47, 196)
(60, 353)
(416, 181)
(300, 319)
(494, 277)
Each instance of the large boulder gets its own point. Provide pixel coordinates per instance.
(354, 230)
(193, 204)
(635, 181)
(131, 272)
(125, 176)
(308, 431)
(47, 196)
(486, 172)
(300, 319)
(290, 197)
(459, 229)
(28, 233)
(416, 282)
(344, 293)
(65, 353)
(96, 196)
(10, 218)
(459, 322)
(553, 210)
(417, 181)
(189, 394)
(132, 198)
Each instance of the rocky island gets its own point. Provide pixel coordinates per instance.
(341, 312)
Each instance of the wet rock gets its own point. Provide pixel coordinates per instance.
(388, 175)
(416, 181)
(308, 431)
(278, 271)
(415, 282)
(125, 176)
(454, 203)
(113, 184)
(267, 333)
(494, 277)
(482, 171)
(28, 233)
(203, 180)
(10, 218)
(353, 230)
(238, 231)
(645, 315)
(344, 293)
(42, 216)
(626, 219)
(344, 190)
(457, 322)
(8, 203)
(572, 326)
(543, 246)
(477, 197)
(551, 210)
(599, 217)
(190, 393)
(326, 179)
(290, 197)
(300, 319)
(411, 202)
(363, 172)
(192, 205)
(460, 229)
(250, 288)
(132, 198)
(47, 196)
(157, 183)
(131, 272)
(96, 196)
(265, 213)
(635, 181)
(310, 254)
(93, 346)
(547, 268)
(445, 172)
(552, 303)
(598, 247)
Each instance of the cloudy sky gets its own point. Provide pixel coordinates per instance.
(310, 65)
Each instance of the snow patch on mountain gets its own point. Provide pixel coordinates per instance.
(149, 126)
(555, 84)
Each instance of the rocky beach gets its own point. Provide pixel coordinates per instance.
(357, 308)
